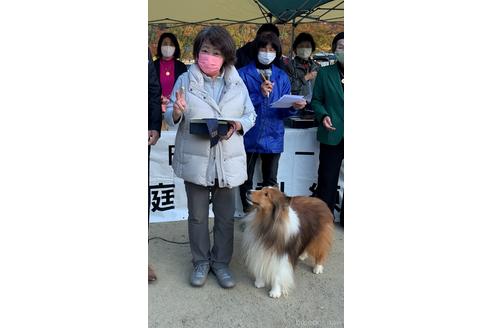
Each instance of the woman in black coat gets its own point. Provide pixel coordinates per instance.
(167, 65)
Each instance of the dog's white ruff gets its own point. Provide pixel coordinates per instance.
(266, 265)
(293, 226)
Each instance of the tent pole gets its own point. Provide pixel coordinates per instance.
(292, 37)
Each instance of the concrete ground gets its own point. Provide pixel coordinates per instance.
(316, 301)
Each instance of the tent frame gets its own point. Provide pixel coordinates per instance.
(290, 16)
(296, 16)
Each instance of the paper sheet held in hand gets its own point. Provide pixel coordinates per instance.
(286, 101)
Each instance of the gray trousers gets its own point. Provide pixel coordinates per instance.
(223, 205)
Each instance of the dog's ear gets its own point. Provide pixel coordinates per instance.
(278, 205)
(276, 186)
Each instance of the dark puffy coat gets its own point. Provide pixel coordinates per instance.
(155, 114)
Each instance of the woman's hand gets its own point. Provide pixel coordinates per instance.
(179, 105)
(300, 104)
(153, 137)
(310, 75)
(164, 102)
(327, 123)
(233, 127)
(266, 88)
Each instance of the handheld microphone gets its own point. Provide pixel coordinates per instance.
(267, 73)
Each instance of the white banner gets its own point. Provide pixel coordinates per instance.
(297, 174)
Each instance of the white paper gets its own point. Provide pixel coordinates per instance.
(286, 101)
(236, 119)
(218, 118)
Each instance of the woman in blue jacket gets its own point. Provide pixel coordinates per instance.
(266, 84)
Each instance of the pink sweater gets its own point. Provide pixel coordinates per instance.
(167, 76)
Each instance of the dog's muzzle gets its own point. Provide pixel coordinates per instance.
(248, 198)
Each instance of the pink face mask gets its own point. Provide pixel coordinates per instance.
(209, 64)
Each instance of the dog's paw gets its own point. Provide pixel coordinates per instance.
(303, 256)
(318, 269)
(259, 283)
(275, 293)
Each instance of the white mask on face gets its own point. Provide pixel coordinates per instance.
(167, 51)
(266, 57)
(304, 53)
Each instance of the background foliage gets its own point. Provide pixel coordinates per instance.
(323, 34)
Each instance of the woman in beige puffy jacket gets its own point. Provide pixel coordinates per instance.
(211, 88)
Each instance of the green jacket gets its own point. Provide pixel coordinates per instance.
(328, 100)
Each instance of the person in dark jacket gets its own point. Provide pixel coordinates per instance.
(155, 115)
(167, 65)
(246, 53)
(328, 95)
(302, 69)
(155, 120)
(266, 83)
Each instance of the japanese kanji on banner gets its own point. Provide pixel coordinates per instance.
(297, 175)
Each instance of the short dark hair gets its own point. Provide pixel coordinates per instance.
(268, 27)
(219, 38)
(174, 40)
(264, 39)
(337, 38)
(304, 37)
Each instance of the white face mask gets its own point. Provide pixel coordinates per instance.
(304, 53)
(266, 57)
(167, 51)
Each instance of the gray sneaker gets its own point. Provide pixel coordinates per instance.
(199, 274)
(224, 276)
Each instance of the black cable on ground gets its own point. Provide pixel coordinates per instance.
(172, 241)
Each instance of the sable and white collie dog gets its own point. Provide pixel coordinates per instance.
(279, 231)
